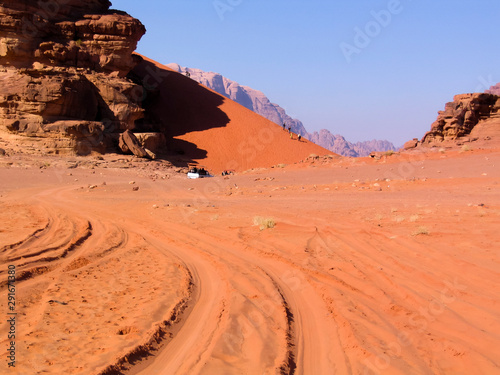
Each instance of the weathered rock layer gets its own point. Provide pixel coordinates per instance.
(68, 33)
(62, 76)
(460, 116)
(464, 119)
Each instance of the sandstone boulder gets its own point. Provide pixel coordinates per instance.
(129, 143)
(154, 142)
(411, 144)
(150, 153)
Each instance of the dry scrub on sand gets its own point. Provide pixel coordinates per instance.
(421, 231)
(264, 223)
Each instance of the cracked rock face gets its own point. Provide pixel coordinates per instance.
(65, 62)
(83, 34)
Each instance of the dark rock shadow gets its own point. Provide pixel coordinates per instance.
(176, 105)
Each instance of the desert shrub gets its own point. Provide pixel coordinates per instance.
(421, 231)
(263, 222)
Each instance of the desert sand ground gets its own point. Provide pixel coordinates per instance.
(330, 266)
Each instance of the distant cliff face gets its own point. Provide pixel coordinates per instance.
(256, 101)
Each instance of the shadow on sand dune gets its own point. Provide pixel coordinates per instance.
(176, 105)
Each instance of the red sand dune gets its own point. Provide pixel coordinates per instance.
(213, 130)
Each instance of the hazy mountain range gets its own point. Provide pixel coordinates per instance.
(259, 103)
(495, 90)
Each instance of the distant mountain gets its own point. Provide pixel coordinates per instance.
(495, 90)
(335, 143)
(340, 145)
(367, 147)
(257, 102)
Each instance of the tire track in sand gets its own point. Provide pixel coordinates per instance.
(305, 341)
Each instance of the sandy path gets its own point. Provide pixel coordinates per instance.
(351, 280)
(73, 303)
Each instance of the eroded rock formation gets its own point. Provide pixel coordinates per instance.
(63, 72)
(71, 33)
(460, 118)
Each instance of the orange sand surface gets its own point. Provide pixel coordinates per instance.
(329, 266)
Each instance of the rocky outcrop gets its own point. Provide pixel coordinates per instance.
(257, 102)
(411, 144)
(468, 118)
(73, 33)
(461, 116)
(63, 71)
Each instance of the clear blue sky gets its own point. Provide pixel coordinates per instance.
(362, 69)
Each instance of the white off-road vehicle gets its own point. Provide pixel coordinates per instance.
(195, 172)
